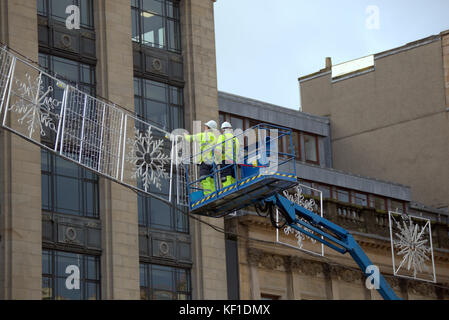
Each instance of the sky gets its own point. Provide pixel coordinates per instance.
(263, 46)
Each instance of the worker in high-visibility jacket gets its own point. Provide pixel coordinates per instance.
(207, 140)
(229, 154)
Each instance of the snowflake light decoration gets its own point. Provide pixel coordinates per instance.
(148, 159)
(411, 242)
(298, 235)
(412, 245)
(35, 105)
(298, 198)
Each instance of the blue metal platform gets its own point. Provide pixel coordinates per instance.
(243, 194)
(263, 170)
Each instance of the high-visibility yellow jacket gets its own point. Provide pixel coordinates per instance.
(230, 147)
(207, 141)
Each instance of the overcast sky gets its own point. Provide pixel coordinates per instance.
(264, 46)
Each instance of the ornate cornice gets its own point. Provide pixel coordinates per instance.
(254, 256)
(421, 288)
(345, 274)
(307, 267)
(263, 259)
(272, 261)
(394, 282)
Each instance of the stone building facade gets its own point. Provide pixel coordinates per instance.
(396, 106)
(261, 268)
(126, 246)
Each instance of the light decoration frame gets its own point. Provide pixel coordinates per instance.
(411, 247)
(310, 204)
(91, 132)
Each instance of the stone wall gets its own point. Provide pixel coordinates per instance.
(445, 48)
(381, 120)
(20, 178)
(201, 104)
(118, 204)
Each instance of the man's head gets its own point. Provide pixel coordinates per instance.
(211, 124)
(226, 126)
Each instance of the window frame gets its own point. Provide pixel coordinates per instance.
(391, 208)
(250, 122)
(372, 202)
(83, 273)
(354, 197)
(149, 289)
(49, 68)
(227, 117)
(137, 12)
(168, 102)
(82, 178)
(48, 13)
(298, 156)
(339, 190)
(315, 137)
(335, 191)
(46, 62)
(179, 221)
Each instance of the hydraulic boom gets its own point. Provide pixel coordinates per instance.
(330, 235)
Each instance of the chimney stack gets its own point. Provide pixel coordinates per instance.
(328, 63)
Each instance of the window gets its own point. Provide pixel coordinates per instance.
(158, 103)
(286, 145)
(221, 118)
(55, 273)
(311, 148)
(237, 123)
(155, 23)
(68, 188)
(343, 195)
(296, 144)
(397, 206)
(78, 74)
(326, 190)
(164, 283)
(306, 190)
(156, 214)
(360, 199)
(56, 10)
(377, 202)
(253, 123)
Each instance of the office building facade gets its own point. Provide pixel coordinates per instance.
(156, 58)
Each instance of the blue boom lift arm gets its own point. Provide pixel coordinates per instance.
(330, 235)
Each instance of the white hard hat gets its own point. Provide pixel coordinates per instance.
(211, 124)
(226, 125)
